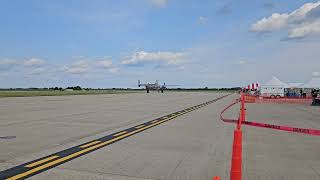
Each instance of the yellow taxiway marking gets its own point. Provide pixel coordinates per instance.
(52, 163)
(90, 144)
(41, 161)
(120, 133)
(56, 160)
(139, 126)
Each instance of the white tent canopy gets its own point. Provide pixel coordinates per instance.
(313, 83)
(294, 85)
(275, 82)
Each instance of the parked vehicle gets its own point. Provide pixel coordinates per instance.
(272, 92)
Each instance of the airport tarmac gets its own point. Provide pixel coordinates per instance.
(195, 145)
(273, 154)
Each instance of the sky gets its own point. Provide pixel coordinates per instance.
(191, 43)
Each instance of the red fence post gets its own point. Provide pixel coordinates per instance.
(236, 161)
(243, 110)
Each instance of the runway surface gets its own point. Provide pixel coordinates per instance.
(154, 143)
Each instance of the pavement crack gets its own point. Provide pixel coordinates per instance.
(176, 167)
(315, 171)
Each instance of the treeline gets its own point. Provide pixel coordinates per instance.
(41, 89)
(206, 89)
(62, 89)
(135, 89)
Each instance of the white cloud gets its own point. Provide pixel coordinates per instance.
(240, 62)
(33, 62)
(299, 23)
(3, 75)
(305, 30)
(159, 3)
(141, 57)
(37, 71)
(78, 67)
(8, 62)
(114, 70)
(316, 74)
(81, 67)
(202, 20)
(105, 64)
(274, 22)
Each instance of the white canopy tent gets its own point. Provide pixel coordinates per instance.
(294, 85)
(273, 88)
(276, 87)
(275, 82)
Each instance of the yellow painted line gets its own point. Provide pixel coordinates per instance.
(120, 133)
(52, 163)
(94, 147)
(79, 153)
(90, 144)
(41, 161)
(139, 126)
(154, 121)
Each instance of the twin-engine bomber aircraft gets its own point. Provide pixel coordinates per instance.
(154, 86)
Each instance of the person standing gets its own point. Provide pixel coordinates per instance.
(314, 93)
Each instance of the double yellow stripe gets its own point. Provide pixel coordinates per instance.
(139, 126)
(93, 145)
(120, 133)
(41, 161)
(90, 144)
(52, 163)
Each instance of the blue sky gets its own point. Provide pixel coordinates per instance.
(104, 43)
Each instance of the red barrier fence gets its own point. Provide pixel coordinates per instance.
(236, 162)
(309, 131)
(280, 100)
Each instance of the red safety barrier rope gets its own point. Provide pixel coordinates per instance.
(225, 109)
(314, 132)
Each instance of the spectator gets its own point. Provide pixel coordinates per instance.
(314, 93)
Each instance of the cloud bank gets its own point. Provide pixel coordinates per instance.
(142, 57)
(300, 23)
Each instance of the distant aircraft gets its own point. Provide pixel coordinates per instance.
(154, 86)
